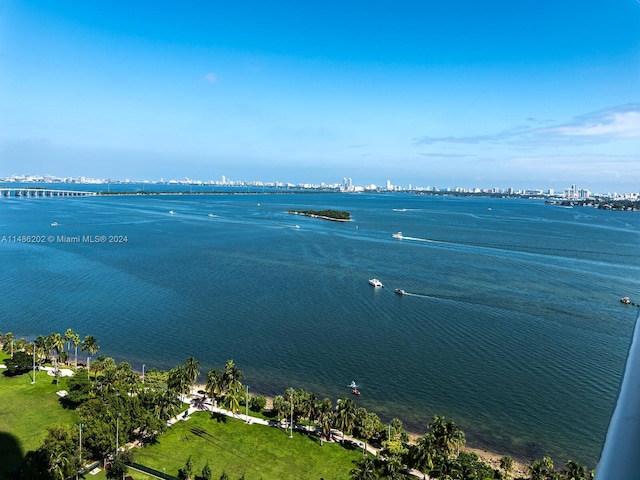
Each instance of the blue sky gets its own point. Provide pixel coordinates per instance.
(530, 94)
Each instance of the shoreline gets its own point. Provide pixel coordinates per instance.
(490, 457)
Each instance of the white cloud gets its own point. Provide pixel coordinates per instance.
(211, 77)
(603, 126)
(614, 123)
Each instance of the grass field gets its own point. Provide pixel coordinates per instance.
(256, 451)
(26, 411)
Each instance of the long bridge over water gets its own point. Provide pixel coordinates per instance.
(42, 193)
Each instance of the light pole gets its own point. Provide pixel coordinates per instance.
(389, 435)
(34, 363)
(117, 431)
(88, 367)
(81, 427)
(143, 373)
(291, 402)
(246, 402)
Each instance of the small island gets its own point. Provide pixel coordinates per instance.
(334, 215)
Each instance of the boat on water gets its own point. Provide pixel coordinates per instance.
(171, 212)
(626, 300)
(375, 283)
(355, 391)
(400, 291)
(210, 215)
(54, 224)
(397, 235)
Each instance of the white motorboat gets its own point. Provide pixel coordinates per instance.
(400, 291)
(397, 235)
(375, 283)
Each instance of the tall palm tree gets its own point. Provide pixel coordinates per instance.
(192, 370)
(90, 343)
(280, 405)
(232, 376)
(423, 453)
(41, 347)
(345, 415)
(215, 385)
(75, 340)
(178, 382)
(447, 435)
(308, 405)
(232, 400)
(68, 335)
(326, 418)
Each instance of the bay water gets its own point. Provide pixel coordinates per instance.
(511, 326)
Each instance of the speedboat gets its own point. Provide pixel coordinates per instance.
(210, 215)
(171, 212)
(397, 235)
(400, 291)
(375, 283)
(625, 300)
(355, 391)
(54, 224)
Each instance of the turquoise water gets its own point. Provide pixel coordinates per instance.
(512, 326)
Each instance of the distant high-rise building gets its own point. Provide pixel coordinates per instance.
(224, 180)
(389, 186)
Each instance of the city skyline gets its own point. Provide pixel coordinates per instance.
(347, 185)
(522, 95)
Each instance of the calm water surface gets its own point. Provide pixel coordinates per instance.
(512, 325)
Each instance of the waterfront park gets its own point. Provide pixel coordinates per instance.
(68, 412)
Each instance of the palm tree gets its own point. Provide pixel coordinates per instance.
(280, 405)
(232, 376)
(215, 385)
(423, 453)
(232, 399)
(68, 335)
(192, 369)
(345, 415)
(75, 339)
(575, 471)
(8, 338)
(90, 344)
(326, 418)
(446, 435)
(365, 469)
(41, 346)
(308, 405)
(178, 382)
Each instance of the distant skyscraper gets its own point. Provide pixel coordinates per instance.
(224, 180)
(389, 186)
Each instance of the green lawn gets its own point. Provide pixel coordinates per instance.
(254, 450)
(26, 411)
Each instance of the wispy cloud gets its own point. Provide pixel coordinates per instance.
(443, 155)
(211, 77)
(603, 126)
(357, 146)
